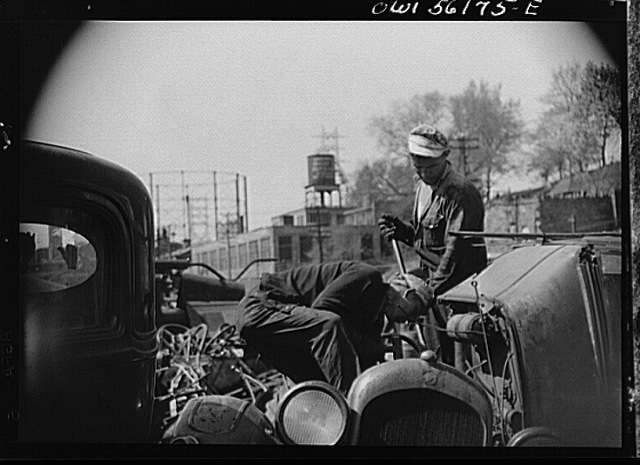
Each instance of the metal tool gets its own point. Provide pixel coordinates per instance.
(399, 259)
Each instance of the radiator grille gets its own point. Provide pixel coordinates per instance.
(420, 417)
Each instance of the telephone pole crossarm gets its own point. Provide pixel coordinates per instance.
(464, 143)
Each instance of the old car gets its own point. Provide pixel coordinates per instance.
(536, 341)
(536, 362)
(86, 299)
(541, 329)
(91, 302)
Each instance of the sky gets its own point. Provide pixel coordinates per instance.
(253, 97)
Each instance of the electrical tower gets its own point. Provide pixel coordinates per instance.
(198, 206)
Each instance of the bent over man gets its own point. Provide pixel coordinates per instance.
(324, 322)
(444, 201)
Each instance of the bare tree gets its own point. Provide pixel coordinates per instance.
(583, 109)
(382, 179)
(552, 148)
(567, 136)
(390, 130)
(479, 111)
(392, 176)
(564, 92)
(600, 101)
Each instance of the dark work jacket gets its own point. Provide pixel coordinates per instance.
(354, 290)
(454, 204)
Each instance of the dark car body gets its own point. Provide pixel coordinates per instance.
(559, 305)
(537, 362)
(88, 365)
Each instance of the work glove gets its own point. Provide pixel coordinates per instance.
(393, 227)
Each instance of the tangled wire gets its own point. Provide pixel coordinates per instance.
(193, 362)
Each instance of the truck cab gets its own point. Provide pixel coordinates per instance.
(87, 373)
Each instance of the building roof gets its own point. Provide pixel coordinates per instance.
(595, 183)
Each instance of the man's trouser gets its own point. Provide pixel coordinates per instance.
(306, 344)
(328, 340)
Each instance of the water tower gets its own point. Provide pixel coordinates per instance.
(322, 180)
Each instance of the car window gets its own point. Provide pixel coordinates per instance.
(61, 275)
(54, 258)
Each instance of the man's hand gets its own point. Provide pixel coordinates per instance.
(392, 227)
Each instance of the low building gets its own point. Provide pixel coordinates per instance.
(583, 202)
(321, 232)
(515, 212)
(294, 239)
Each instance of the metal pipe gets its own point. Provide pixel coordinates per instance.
(399, 259)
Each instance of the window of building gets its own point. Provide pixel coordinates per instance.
(253, 250)
(315, 217)
(200, 257)
(306, 249)
(223, 260)
(265, 248)
(234, 257)
(215, 258)
(285, 249)
(242, 255)
(366, 246)
(287, 220)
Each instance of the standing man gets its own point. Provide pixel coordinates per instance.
(324, 322)
(444, 201)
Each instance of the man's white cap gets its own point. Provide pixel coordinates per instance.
(409, 309)
(427, 141)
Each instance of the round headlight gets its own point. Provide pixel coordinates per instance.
(312, 412)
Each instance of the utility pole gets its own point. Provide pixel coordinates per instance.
(464, 143)
(238, 215)
(517, 214)
(215, 204)
(151, 193)
(158, 219)
(319, 234)
(246, 206)
(228, 234)
(185, 202)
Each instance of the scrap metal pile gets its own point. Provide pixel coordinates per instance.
(192, 362)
